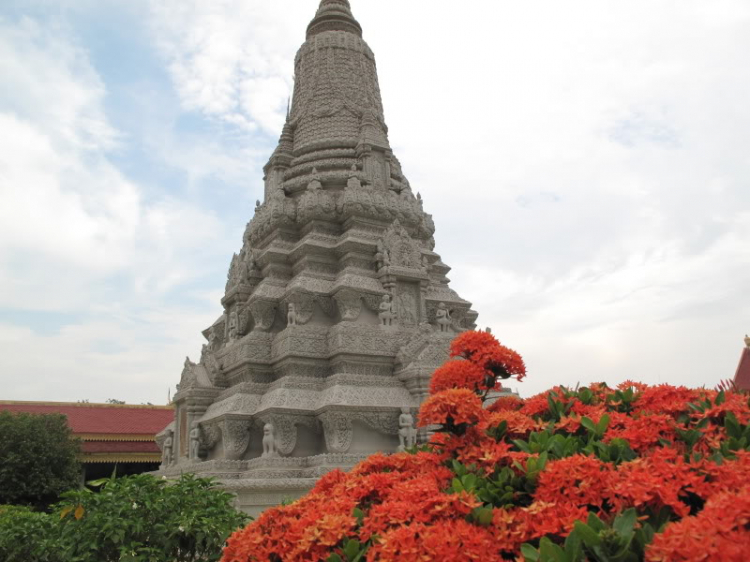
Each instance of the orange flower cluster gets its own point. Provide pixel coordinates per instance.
(670, 460)
(482, 349)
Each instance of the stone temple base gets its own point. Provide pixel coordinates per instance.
(266, 482)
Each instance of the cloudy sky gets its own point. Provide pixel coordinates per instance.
(587, 164)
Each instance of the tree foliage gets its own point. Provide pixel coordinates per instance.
(131, 519)
(38, 458)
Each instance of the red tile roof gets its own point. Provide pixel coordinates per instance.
(742, 376)
(105, 419)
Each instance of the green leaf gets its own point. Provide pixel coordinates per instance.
(551, 551)
(588, 423)
(359, 514)
(624, 523)
(351, 548)
(334, 558)
(530, 553)
(589, 537)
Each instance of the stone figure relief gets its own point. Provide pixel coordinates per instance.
(353, 182)
(425, 264)
(212, 340)
(403, 251)
(269, 442)
(443, 317)
(407, 303)
(386, 313)
(407, 433)
(382, 257)
(166, 449)
(195, 442)
(291, 315)
(315, 183)
(232, 328)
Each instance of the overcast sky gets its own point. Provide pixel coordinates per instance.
(587, 164)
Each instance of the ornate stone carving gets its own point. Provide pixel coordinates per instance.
(264, 313)
(443, 317)
(386, 313)
(236, 436)
(402, 249)
(408, 304)
(407, 433)
(338, 431)
(195, 442)
(233, 327)
(291, 315)
(166, 449)
(211, 434)
(349, 303)
(269, 441)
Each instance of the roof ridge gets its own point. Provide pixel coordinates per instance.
(86, 404)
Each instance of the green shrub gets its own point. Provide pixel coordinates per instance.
(38, 458)
(145, 519)
(27, 536)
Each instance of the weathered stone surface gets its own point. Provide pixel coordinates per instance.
(337, 309)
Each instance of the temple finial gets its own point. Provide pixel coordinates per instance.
(747, 340)
(334, 15)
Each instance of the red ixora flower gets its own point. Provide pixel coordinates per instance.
(460, 374)
(482, 349)
(452, 408)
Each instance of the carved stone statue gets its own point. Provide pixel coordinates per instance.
(315, 183)
(212, 343)
(291, 315)
(195, 442)
(353, 182)
(382, 257)
(232, 328)
(386, 313)
(269, 442)
(407, 433)
(443, 317)
(425, 264)
(166, 450)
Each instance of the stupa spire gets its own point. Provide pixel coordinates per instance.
(336, 106)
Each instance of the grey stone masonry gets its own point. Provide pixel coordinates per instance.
(337, 309)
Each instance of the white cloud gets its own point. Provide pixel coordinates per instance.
(231, 59)
(79, 238)
(586, 164)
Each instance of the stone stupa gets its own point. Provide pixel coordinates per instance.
(337, 309)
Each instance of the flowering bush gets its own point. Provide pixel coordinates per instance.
(637, 472)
